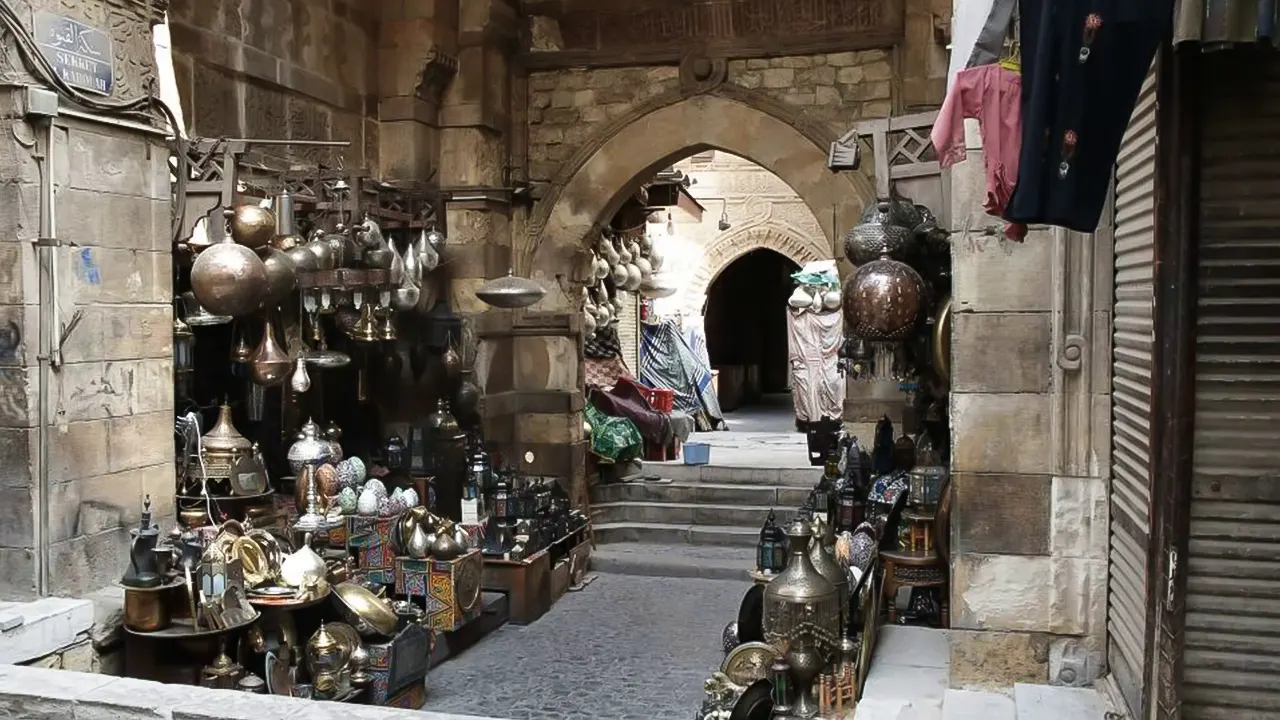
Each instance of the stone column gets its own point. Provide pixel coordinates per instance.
(417, 59)
(1029, 417)
(111, 392)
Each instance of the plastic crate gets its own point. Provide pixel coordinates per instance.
(661, 399)
(696, 453)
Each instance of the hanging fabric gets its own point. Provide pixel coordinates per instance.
(1083, 63)
(992, 94)
(990, 45)
(1218, 23)
(814, 341)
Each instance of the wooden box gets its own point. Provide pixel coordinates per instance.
(399, 663)
(369, 539)
(527, 584)
(410, 698)
(450, 588)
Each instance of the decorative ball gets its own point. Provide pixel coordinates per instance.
(348, 500)
(397, 493)
(410, 497)
(882, 300)
(386, 508)
(865, 242)
(327, 480)
(367, 504)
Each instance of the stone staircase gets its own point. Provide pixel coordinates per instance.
(697, 521)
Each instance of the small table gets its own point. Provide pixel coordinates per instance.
(919, 569)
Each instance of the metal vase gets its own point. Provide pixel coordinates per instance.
(270, 364)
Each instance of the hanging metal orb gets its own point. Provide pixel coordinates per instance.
(882, 300)
(865, 242)
(229, 279)
(510, 292)
(253, 226)
(282, 276)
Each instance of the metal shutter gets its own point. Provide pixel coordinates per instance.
(1231, 661)
(629, 331)
(1127, 600)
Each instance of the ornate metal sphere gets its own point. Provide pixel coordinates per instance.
(282, 276)
(229, 279)
(882, 300)
(253, 226)
(866, 241)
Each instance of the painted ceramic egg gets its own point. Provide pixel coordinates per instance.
(368, 502)
(386, 508)
(398, 505)
(411, 497)
(346, 474)
(376, 487)
(327, 480)
(348, 500)
(397, 493)
(358, 467)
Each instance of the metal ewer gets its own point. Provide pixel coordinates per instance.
(510, 292)
(802, 618)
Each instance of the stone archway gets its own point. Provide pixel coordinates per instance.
(764, 133)
(729, 247)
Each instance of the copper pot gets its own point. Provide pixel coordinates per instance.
(253, 226)
(146, 610)
(229, 279)
(270, 364)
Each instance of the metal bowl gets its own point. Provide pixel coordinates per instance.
(369, 614)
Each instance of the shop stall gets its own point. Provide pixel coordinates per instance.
(339, 515)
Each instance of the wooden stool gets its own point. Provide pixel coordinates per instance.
(903, 568)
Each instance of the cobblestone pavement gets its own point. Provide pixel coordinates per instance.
(625, 648)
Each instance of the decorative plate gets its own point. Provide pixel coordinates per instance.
(755, 703)
(467, 584)
(748, 663)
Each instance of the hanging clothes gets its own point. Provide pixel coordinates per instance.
(1223, 23)
(992, 94)
(1083, 63)
(814, 341)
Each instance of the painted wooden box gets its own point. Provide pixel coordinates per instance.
(398, 663)
(450, 589)
(369, 539)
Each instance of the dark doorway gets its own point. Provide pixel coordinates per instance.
(746, 327)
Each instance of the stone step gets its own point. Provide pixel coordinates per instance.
(686, 513)
(1044, 702)
(697, 492)
(712, 562)
(974, 705)
(676, 534)
(729, 475)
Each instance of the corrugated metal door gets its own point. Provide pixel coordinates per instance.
(629, 331)
(1231, 661)
(1129, 585)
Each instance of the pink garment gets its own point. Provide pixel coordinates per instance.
(993, 95)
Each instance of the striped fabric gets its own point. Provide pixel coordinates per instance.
(667, 361)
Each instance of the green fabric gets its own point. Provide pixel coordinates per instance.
(614, 438)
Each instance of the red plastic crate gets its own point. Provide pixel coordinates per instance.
(662, 399)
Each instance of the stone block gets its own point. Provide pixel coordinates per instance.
(1001, 514)
(16, 529)
(1079, 518)
(546, 363)
(17, 454)
(78, 657)
(1074, 662)
(1078, 601)
(17, 574)
(93, 390)
(19, 335)
(19, 218)
(1005, 433)
(103, 162)
(1039, 702)
(113, 332)
(991, 274)
(997, 660)
(108, 617)
(1000, 352)
(91, 505)
(139, 441)
(1001, 592)
(96, 219)
(977, 705)
(152, 388)
(77, 450)
(45, 626)
(777, 78)
(89, 562)
(19, 399)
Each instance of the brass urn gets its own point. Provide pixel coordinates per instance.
(221, 448)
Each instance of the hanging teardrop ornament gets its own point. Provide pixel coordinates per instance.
(412, 265)
(241, 350)
(301, 381)
(398, 269)
(428, 252)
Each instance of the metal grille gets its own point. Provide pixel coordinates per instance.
(1127, 602)
(1231, 665)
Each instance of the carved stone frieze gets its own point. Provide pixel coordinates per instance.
(437, 71)
(784, 239)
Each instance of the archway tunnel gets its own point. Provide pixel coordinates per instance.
(746, 328)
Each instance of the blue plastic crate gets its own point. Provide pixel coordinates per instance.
(697, 453)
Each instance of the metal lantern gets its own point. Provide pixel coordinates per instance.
(771, 551)
(849, 508)
(882, 299)
(510, 292)
(184, 342)
(780, 677)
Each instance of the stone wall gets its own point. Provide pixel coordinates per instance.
(1030, 420)
(111, 395)
(280, 70)
(569, 106)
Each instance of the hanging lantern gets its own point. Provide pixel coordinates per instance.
(882, 300)
(771, 551)
(513, 292)
(850, 510)
(184, 342)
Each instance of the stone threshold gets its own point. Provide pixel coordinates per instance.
(27, 692)
(33, 630)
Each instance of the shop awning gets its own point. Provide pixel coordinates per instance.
(1225, 22)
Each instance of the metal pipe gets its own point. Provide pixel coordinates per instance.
(49, 351)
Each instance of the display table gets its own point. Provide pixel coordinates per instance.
(527, 584)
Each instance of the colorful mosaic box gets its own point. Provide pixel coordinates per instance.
(399, 664)
(450, 589)
(369, 539)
